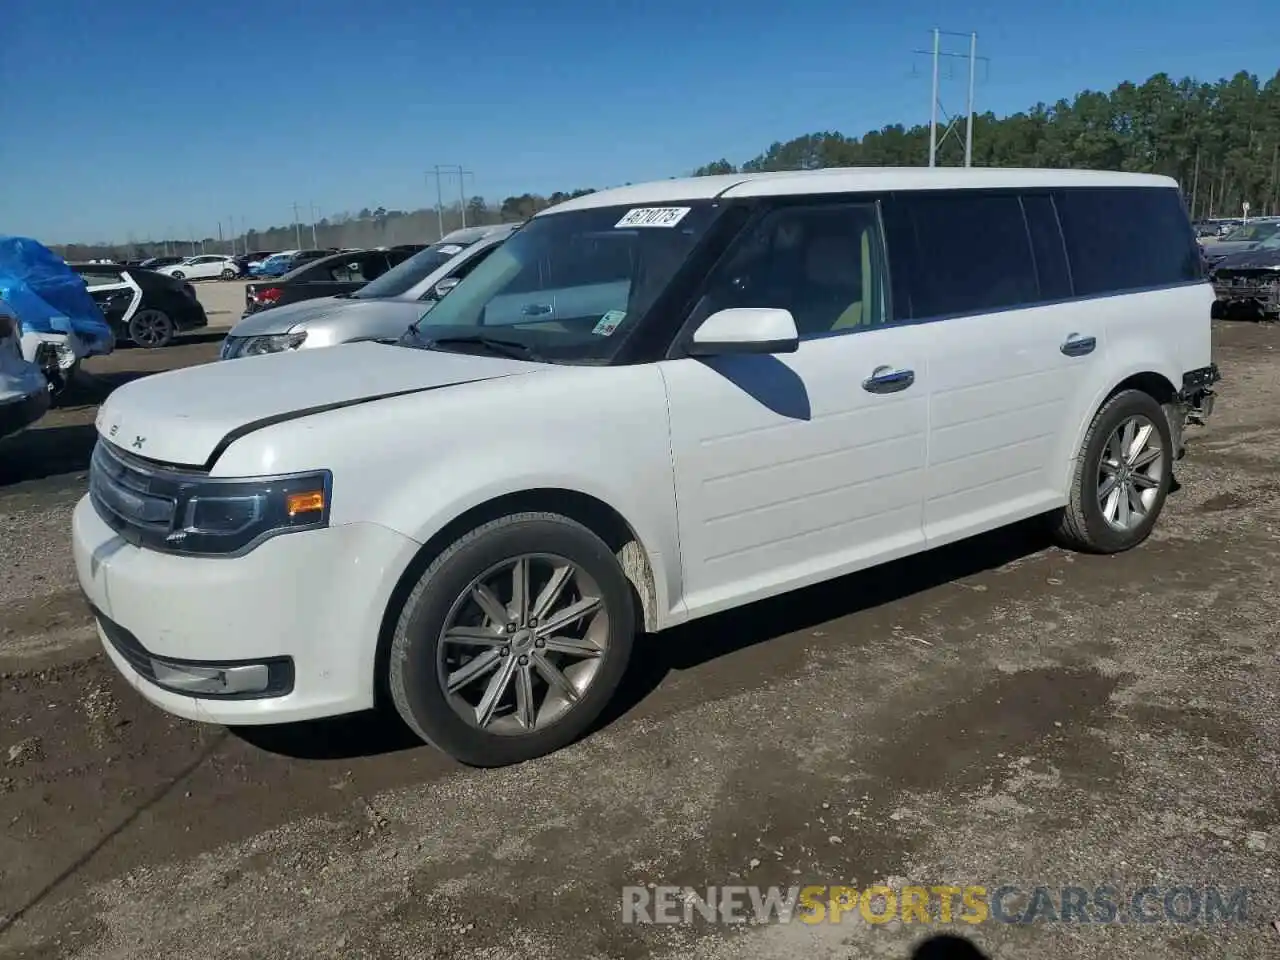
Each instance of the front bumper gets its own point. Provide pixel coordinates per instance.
(309, 605)
(23, 412)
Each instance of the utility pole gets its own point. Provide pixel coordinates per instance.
(219, 233)
(935, 102)
(297, 229)
(231, 223)
(1195, 183)
(314, 209)
(448, 169)
(435, 171)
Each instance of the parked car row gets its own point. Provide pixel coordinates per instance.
(360, 295)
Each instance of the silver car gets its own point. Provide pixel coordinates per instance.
(383, 308)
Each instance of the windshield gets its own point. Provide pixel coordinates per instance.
(407, 274)
(570, 286)
(1253, 232)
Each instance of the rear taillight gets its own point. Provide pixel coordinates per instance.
(267, 296)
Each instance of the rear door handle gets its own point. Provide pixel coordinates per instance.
(888, 380)
(1077, 346)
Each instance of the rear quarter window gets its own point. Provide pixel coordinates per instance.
(1127, 238)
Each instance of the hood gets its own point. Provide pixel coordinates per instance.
(282, 319)
(1261, 258)
(189, 416)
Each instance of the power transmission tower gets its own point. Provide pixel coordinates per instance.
(935, 103)
(450, 169)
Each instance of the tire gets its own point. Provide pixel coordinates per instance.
(178, 275)
(228, 274)
(151, 329)
(1090, 524)
(421, 659)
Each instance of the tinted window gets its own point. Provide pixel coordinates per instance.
(1127, 239)
(972, 254)
(1052, 271)
(824, 264)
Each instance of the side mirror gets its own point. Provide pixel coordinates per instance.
(746, 330)
(444, 286)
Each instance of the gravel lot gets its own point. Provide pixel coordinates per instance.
(223, 301)
(1001, 712)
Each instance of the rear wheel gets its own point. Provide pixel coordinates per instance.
(1122, 477)
(151, 329)
(513, 641)
(178, 275)
(228, 274)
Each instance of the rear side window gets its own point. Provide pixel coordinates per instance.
(1126, 238)
(1050, 252)
(973, 254)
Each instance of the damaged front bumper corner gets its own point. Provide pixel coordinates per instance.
(1193, 404)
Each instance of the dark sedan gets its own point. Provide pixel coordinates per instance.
(328, 277)
(146, 307)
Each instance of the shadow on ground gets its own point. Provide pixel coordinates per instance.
(183, 339)
(947, 947)
(690, 646)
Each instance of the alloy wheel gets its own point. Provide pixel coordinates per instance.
(521, 645)
(1129, 473)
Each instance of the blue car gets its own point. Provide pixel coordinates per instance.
(275, 265)
(282, 263)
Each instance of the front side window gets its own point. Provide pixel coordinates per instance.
(825, 264)
(571, 286)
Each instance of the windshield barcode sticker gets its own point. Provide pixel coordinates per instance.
(652, 217)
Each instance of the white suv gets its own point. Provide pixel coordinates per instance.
(650, 404)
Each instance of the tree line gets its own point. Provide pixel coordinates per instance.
(1221, 141)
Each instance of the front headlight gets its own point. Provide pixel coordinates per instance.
(188, 513)
(276, 343)
(229, 516)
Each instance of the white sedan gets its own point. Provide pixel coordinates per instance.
(203, 267)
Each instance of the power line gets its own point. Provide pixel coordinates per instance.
(935, 103)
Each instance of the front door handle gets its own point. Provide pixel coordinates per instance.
(536, 309)
(1077, 346)
(888, 380)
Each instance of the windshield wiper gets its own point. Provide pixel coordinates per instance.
(505, 348)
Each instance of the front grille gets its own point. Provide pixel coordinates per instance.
(137, 499)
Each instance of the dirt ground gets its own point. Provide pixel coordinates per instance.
(1001, 712)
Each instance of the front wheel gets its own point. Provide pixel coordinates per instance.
(1122, 476)
(513, 641)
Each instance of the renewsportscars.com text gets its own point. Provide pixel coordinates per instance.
(938, 903)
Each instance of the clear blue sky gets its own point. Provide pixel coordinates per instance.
(130, 117)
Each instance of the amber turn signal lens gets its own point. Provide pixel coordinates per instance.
(310, 502)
